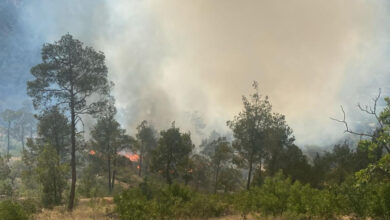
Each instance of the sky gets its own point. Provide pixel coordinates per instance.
(191, 61)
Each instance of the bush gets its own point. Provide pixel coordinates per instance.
(386, 199)
(30, 206)
(171, 202)
(278, 196)
(243, 203)
(132, 204)
(10, 210)
(272, 196)
(300, 199)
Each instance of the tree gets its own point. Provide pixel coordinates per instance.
(254, 129)
(279, 141)
(146, 136)
(230, 178)
(9, 116)
(342, 163)
(25, 120)
(109, 139)
(292, 162)
(45, 156)
(30, 161)
(375, 148)
(220, 153)
(201, 172)
(51, 174)
(74, 78)
(54, 129)
(5, 180)
(172, 153)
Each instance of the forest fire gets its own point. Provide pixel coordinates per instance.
(132, 157)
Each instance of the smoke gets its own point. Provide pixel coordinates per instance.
(308, 56)
(191, 62)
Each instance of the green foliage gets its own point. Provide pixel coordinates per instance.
(146, 143)
(30, 206)
(54, 129)
(220, 154)
(171, 157)
(278, 196)
(133, 205)
(273, 195)
(243, 202)
(171, 202)
(365, 199)
(10, 210)
(69, 75)
(259, 133)
(376, 171)
(108, 139)
(89, 185)
(51, 174)
(5, 180)
(201, 173)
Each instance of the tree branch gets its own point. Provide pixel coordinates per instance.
(372, 110)
(347, 129)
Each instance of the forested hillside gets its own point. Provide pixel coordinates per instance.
(51, 162)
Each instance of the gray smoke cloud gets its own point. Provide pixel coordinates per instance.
(191, 62)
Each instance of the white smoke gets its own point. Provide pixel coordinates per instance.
(191, 62)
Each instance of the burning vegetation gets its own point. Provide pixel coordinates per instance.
(162, 175)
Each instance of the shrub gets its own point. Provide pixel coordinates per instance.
(386, 198)
(272, 196)
(243, 203)
(30, 206)
(204, 206)
(300, 199)
(171, 202)
(132, 204)
(10, 210)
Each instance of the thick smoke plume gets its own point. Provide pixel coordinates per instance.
(191, 62)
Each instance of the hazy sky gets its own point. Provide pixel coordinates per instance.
(191, 61)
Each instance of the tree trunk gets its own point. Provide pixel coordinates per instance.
(22, 138)
(73, 154)
(113, 174)
(109, 172)
(260, 181)
(216, 179)
(250, 172)
(140, 163)
(169, 181)
(55, 190)
(8, 134)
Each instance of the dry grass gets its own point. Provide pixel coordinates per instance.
(97, 209)
(233, 217)
(102, 209)
(87, 209)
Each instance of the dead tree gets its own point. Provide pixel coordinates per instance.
(371, 110)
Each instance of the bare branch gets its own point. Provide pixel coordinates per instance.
(347, 129)
(78, 119)
(372, 110)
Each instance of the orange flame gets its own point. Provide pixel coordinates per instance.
(132, 157)
(92, 152)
